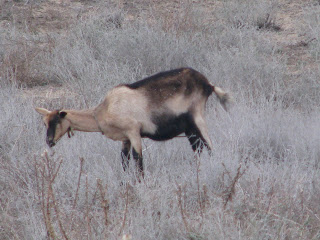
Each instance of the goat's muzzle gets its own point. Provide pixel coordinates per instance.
(50, 142)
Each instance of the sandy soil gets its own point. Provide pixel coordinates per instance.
(292, 39)
(57, 15)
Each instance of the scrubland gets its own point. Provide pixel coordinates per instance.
(262, 180)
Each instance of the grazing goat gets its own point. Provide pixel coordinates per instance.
(159, 107)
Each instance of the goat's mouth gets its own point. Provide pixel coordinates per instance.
(51, 143)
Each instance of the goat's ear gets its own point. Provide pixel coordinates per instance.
(62, 114)
(42, 111)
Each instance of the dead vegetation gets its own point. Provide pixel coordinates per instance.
(262, 181)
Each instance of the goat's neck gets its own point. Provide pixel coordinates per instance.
(82, 120)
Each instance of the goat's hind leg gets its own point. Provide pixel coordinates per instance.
(195, 140)
(125, 154)
(198, 136)
(201, 125)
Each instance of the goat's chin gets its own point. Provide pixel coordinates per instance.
(53, 143)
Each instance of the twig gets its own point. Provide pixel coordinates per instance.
(125, 211)
(52, 174)
(104, 202)
(57, 211)
(198, 189)
(78, 185)
(182, 212)
(228, 194)
(77, 192)
(87, 208)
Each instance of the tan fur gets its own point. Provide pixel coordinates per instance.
(83, 120)
(124, 113)
(178, 104)
(42, 111)
(76, 120)
(108, 116)
(122, 110)
(223, 97)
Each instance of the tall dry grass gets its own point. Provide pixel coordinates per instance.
(260, 183)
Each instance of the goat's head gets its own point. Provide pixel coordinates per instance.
(56, 123)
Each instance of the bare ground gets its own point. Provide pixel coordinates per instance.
(292, 39)
(56, 16)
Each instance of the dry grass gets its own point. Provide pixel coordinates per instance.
(260, 183)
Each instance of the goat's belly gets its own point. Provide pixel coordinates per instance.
(168, 126)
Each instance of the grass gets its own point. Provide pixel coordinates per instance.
(311, 21)
(260, 183)
(247, 14)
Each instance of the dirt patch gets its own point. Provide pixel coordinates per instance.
(45, 16)
(292, 39)
(56, 16)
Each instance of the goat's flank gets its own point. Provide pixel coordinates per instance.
(159, 107)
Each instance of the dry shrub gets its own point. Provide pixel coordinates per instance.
(17, 67)
(183, 20)
(21, 63)
(273, 196)
(312, 30)
(248, 13)
(267, 23)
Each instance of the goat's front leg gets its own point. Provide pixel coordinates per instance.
(135, 140)
(125, 154)
(139, 160)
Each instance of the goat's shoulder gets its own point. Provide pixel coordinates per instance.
(123, 99)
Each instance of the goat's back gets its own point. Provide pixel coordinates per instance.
(165, 85)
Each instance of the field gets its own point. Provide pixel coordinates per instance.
(262, 180)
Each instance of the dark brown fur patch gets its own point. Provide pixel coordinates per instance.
(169, 126)
(53, 121)
(164, 85)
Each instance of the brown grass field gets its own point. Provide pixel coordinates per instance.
(262, 180)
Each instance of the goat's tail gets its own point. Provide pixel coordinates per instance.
(223, 97)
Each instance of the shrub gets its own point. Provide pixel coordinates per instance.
(261, 181)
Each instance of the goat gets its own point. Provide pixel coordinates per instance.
(159, 107)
